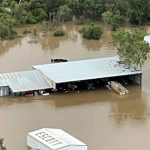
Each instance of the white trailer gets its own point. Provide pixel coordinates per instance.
(53, 139)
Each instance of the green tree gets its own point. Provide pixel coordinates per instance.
(140, 10)
(119, 10)
(107, 16)
(21, 12)
(131, 47)
(116, 21)
(37, 10)
(7, 26)
(93, 8)
(64, 13)
(89, 9)
(118, 7)
(52, 8)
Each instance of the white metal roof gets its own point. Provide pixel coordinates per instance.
(55, 138)
(85, 69)
(3, 83)
(24, 81)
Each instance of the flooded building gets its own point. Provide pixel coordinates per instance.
(53, 139)
(102, 69)
(16, 83)
(68, 75)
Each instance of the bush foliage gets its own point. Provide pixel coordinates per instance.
(92, 32)
(59, 33)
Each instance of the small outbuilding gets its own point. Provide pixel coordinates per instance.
(23, 81)
(53, 139)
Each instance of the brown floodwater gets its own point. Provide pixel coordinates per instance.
(100, 118)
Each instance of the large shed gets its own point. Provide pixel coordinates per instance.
(53, 139)
(88, 70)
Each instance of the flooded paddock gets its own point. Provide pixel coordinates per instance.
(100, 118)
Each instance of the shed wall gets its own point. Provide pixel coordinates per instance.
(4, 91)
(75, 147)
(50, 82)
(136, 78)
(33, 143)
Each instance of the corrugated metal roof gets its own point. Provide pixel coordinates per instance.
(85, 70)
(24, 81)
(55, 138)
(3, 83)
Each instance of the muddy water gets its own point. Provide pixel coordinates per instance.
(21, 53)
(99, 118)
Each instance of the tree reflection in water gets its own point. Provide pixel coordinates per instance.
(50, 42)
(130, 109)
(7, 44)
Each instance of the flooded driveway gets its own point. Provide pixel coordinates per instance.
(100, 118)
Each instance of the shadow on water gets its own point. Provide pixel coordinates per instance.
(4, 101)
(96, 112)
(50, 42)
(58, 100)
(5, 46)
(130, 109)
(75, 99)
(105, 41)
(91, 45)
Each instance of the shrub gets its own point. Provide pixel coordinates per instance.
(92, 32)
(26, 31)
(32, 20)
(59, 33)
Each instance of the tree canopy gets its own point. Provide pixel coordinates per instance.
(112, 12)
(30, 11)
(131, 47)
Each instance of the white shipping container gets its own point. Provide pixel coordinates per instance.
(53, 139)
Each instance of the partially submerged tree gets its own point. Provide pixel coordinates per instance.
(116, 21)
(131, 47)
(1, 144)
(59, 33)
(106, 16)
(92, 32)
